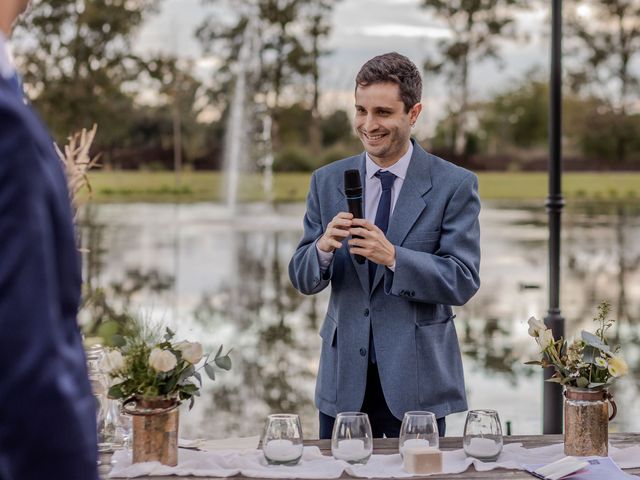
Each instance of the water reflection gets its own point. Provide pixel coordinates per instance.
(224, 280)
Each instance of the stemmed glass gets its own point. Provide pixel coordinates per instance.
(352, 440)
(483, 435)
(282, 441)
(419, 429)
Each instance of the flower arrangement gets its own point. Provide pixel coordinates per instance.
(148, 364)
(588, 362)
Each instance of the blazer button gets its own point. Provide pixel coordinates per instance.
(366, 312)
(363, 352)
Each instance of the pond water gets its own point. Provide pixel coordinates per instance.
(223, 280)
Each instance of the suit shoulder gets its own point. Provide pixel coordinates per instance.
(453, 173)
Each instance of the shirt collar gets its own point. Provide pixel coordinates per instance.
(399, 169)
(7, 69)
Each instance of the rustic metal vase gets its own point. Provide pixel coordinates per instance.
(155, 429)
(586, 421)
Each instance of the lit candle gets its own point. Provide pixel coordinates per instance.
(414, 442)
(282, 450)
(483, 448)
(351, 450)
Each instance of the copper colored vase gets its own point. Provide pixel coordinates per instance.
(155, 430)
(586, 421)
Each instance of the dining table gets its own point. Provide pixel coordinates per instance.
(388, 446)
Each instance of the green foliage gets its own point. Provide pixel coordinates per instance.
(476, 27)
(605, 44)
(336, 127)
(81, 59)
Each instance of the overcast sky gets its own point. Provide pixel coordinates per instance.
(362, 29)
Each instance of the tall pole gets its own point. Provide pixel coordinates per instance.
(554, 320)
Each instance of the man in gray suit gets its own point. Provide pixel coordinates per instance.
(389, 343)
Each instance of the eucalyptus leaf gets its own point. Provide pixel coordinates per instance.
(223, 362)
(210, 371)
(116, 391)
(198, 377)
(594, 341)
(594, 385)
(191, 402)
(554, 380)
(219, 351)
(186, 373)
(590, 353)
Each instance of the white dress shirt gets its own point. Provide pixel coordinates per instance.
(372, 194)
(7, 70)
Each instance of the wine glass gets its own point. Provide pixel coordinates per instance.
(282, 442)
(352, 440)
(482, 435)
(419, 429)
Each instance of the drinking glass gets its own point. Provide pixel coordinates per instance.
(352, 440)
(419, 429)
(482, 435)
(282, 440)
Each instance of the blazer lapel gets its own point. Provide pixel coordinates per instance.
(411, 202)
(362, 270)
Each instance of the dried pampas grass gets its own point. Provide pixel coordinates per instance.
(77, 163)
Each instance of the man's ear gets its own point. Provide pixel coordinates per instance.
(414, 113)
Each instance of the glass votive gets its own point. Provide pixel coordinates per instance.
(282, 442)
(419, 429)
(352, 440)
(482, 435)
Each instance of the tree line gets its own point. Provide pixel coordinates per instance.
(79, 69)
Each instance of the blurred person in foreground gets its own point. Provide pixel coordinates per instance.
(47, 410)
(389, 343)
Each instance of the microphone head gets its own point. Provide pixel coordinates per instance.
(352, 183)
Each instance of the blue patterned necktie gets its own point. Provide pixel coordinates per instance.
(382, 214)
(382, 222)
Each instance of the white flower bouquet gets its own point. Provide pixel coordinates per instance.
(149, 365)
(588, 362)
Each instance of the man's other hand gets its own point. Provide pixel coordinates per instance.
(373, 245)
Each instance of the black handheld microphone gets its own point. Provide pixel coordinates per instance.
(353, 192)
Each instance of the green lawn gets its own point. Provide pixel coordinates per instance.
(292, 187)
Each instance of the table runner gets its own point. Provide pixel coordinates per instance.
(314, 465)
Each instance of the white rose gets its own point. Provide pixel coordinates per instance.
(162, 360)
(112, 361)
(191, 351)
(545, 339)
(535, 326)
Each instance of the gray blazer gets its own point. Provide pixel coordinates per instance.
(435, 229)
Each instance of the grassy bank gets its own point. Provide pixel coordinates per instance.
(292, 187)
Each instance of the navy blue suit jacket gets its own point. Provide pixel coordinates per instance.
(47, 410)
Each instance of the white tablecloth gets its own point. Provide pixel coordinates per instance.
(251, 463)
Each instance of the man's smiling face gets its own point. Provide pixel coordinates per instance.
(381, 122)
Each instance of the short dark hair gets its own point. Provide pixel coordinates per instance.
(395, 68)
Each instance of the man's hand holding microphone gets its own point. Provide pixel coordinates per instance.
(368, 242)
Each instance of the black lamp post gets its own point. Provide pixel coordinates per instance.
(552, 391)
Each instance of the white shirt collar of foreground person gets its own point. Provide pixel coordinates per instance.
(7, 69)
(373, 188)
